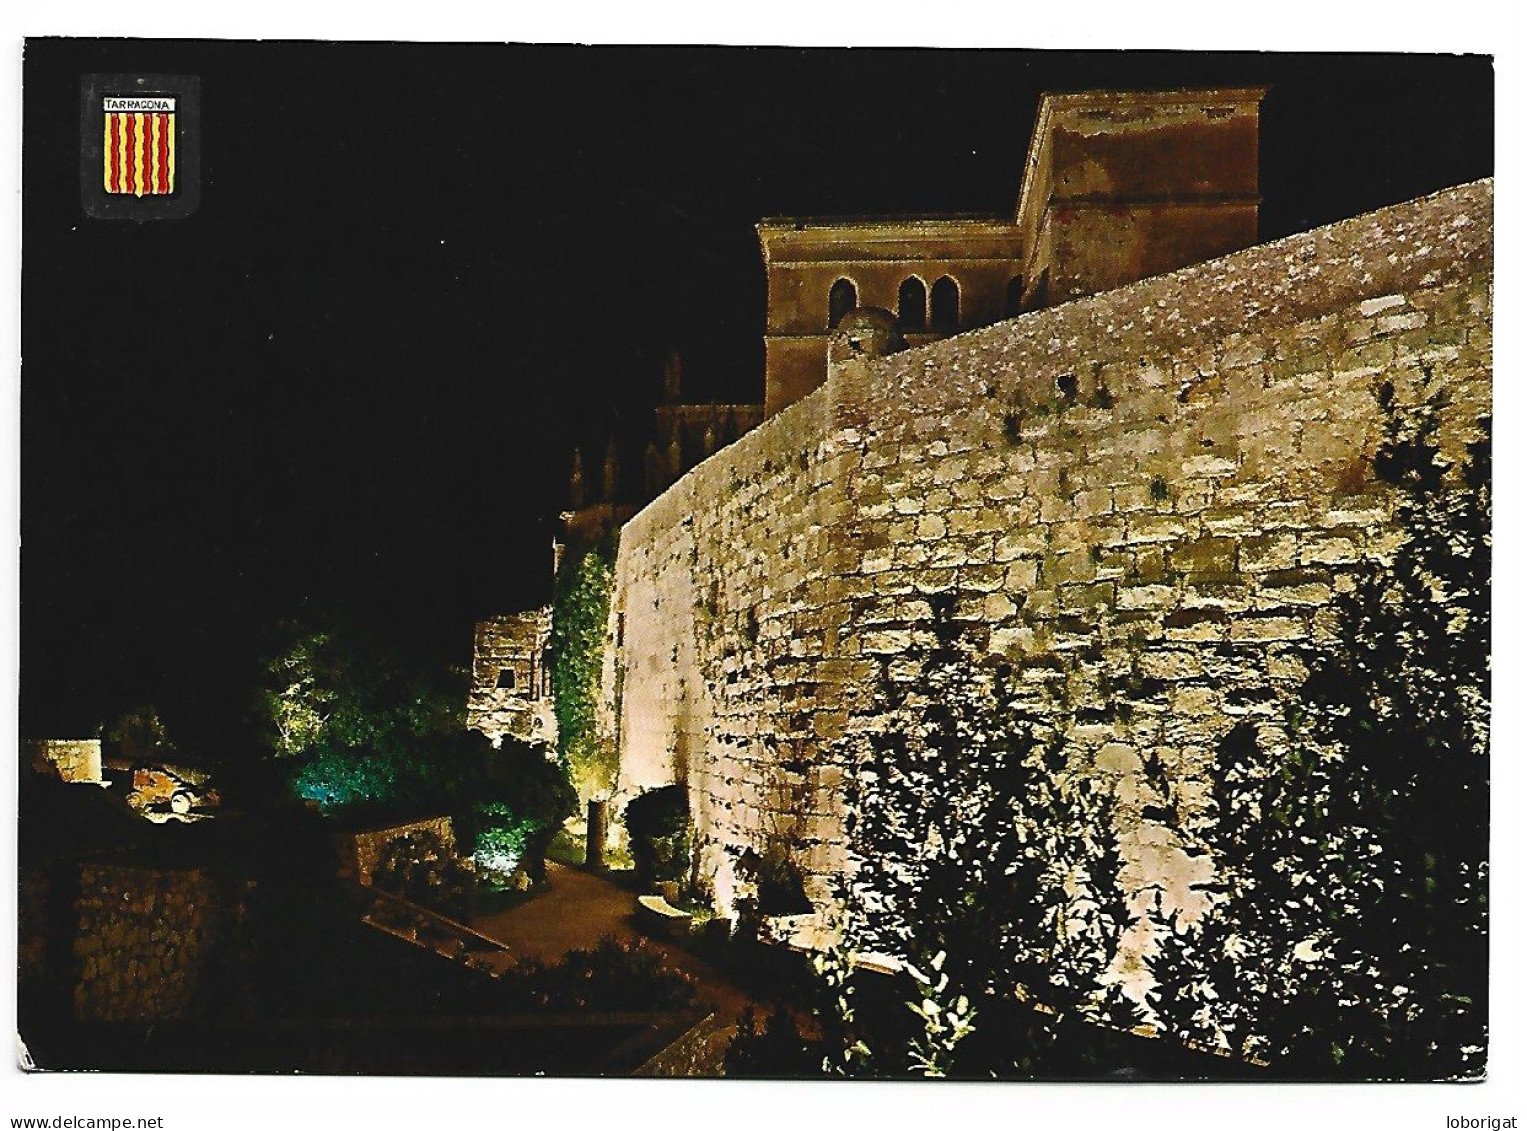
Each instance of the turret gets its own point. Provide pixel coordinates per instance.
(575, 488)
(611, 471)
(652, 462)
(673, 378)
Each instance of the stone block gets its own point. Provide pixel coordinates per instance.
(1203, 555)
(1329, 551)
(1208, 466)
(1021, 542)
(931, 527)
(1145, 528)
(998, 607)
(1261, 628)
(1370, 307)
(1269, 552)
(1147, 596)
(1021, 576)
(1086, 596)
(1070, 566)
(1397, 322)
(1176, 664)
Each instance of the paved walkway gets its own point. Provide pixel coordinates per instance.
(580, 908)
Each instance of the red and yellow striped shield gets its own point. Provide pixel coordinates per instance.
(139, 154)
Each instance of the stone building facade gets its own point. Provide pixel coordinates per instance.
(1117, 186)
(511, 680)
(71, 759)
(1148, 496)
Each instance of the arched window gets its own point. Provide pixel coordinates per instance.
(1014, 304)
(946, 305)
(912, 304)
(843, 297)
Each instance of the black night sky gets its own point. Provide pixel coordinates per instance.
(420, 274)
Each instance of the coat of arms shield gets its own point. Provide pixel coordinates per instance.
(138, 146)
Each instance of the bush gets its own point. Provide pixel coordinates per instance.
(346, 777)
(139, 735)
(327, 688)
(662, 836)
(530, 781)
(501, 841)
(776, 1049)
(509, 803)
(1354, 843)
(615, 976)
(505, 803)
(969, 840)
(781, 891)
(420, 868)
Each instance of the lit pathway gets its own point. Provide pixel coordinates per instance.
(576, 911)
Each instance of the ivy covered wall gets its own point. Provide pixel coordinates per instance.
(578, 647)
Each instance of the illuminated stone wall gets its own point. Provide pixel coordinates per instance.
(728, 598)
(511, 691)
(1143, 499)
(72, 759)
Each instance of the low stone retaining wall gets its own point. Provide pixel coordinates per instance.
(360, 852)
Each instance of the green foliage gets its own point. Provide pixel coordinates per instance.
(139, 735)
(295, 701)
(971, 841)
(371, 737)
(579, 620)
(775, 1049)
(947, 1019)
(396, 774)
(1350, 938)
(337, 777)
(502, 835)
(362, 728)
(844, 1052)
(529, 797)
(775, 878)
(661, 834)
(327, 692)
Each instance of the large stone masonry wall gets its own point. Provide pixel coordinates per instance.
(1145, 499)
(727, 602)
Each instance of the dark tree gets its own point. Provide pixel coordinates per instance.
(965, 829)
(1353, 847)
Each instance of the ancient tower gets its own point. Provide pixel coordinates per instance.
(1117, 187)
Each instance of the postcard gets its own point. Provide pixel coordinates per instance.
(755, 562)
